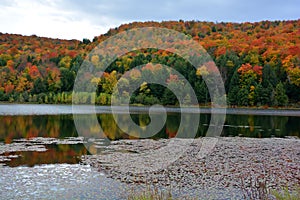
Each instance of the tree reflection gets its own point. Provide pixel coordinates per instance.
(56, 126)
(261, 126)
(62, 153)
(61, 126)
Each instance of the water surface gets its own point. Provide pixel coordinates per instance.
(56, 121)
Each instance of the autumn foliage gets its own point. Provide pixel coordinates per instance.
(259, 63)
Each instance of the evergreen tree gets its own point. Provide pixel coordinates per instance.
(268, 76)
(261, 95)
(233, 89)
(242, 97)
(232, 96)
(281, 99)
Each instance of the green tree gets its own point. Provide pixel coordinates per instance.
(281, 99)
(233, 89)
(86, 41)
(169, 98)
(202, 92)
(268, 76)
(233, 98)
(67, 79)
(39, 86)
(243, 97)
(261, 95)
(3, 96)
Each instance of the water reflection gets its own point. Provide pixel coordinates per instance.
(235, 125)
(56, 126)
(55, 154)
(62, 126)
(261, 126)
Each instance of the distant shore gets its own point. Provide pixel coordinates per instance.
(52, 109)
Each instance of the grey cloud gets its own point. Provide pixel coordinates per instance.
(212, 10)
(100, 15)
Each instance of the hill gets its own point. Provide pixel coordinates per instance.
(259, 63)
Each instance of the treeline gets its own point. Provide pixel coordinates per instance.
(259, 63)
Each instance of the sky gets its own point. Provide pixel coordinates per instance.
(78, 19)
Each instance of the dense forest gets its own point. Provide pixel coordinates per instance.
(259, 63)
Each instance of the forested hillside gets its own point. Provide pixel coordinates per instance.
(259, 63)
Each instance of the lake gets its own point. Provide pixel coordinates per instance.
(56, 121)
(40, 147)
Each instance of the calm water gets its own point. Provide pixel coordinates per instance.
(62, 126)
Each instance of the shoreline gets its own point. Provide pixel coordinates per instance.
(53, 109)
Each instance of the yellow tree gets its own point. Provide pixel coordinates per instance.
(294, 75)
(109, 82)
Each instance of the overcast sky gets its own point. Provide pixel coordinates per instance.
(78, 19)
